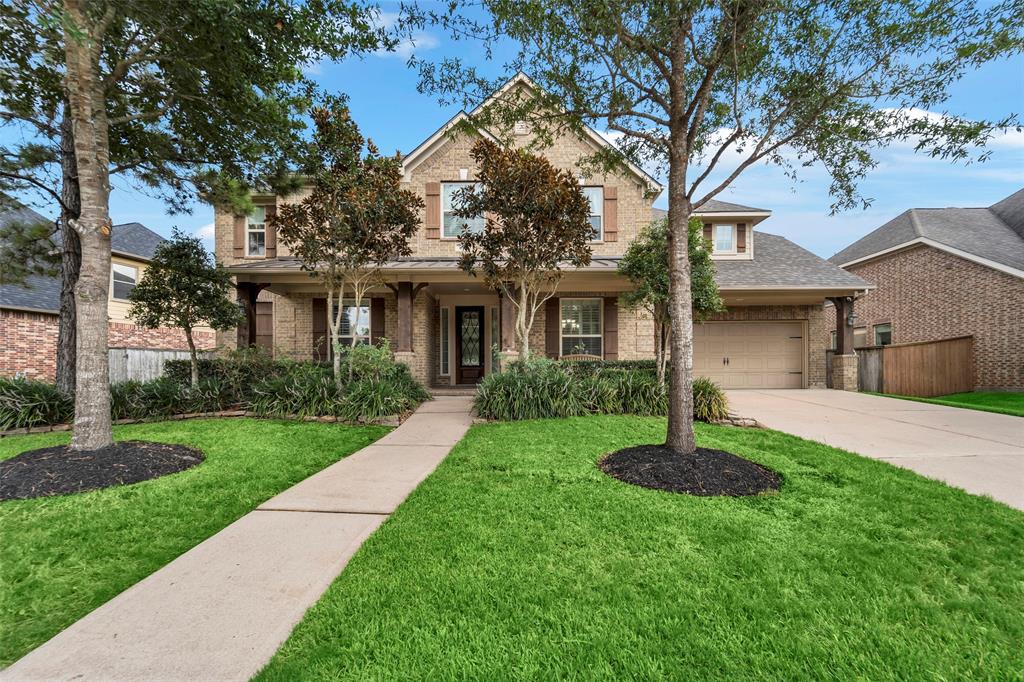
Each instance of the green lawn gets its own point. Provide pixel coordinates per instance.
(519, 559)
(1001, 402)
(64, 556)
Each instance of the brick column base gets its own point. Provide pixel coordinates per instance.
(417, 367)
(844, 372)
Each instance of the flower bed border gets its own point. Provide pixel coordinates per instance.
(390, 420)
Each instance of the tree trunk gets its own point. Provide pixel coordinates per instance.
(192, 356)
(659, 347)
(335, 322)
(86, 98)
(71, 257)
(680, 404)
(521, 330)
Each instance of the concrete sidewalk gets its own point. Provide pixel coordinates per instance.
(981, 452)
(221, 610)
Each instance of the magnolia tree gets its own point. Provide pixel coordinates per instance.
(705, 89)
(355, 219)
(537, 222)
(184, 287)
(181, 98)
(646, 266)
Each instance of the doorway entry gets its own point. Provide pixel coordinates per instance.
(469, 344)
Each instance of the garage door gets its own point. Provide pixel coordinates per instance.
(750, 354)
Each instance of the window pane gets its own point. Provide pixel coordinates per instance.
(595, 195)
(581, 316)
(257, 243)
(723, 238)
(581, 345)
(883, 334)
(350, 326)
(453, 226)
(125, 277)
(122, 289)
(258, 217)
(444, 340)
(595, 222)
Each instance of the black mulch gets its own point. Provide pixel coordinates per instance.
(61, 471)
(706, 472)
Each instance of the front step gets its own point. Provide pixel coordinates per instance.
(436, 391)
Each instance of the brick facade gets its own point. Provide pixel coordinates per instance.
(30, 342)
(927, 294)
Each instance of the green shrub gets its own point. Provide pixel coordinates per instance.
(26, 403)
(544, 389)
(598, 366)
(709, 402)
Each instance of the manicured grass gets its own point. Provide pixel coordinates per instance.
(519, 559)
(64, 556)
(1001, 402)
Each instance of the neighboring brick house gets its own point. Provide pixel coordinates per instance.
(28, 312)
(946, 272)
(445, 324)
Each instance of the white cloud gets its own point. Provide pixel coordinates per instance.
(420, 41)
(204, 232)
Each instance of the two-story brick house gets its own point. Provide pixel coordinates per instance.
(450, 329)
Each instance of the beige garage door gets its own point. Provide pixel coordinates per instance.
(750, 354)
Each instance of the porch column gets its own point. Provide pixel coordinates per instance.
(844, 362)
(246, 295)
(403, 344)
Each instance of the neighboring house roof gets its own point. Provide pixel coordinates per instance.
(422, 150)
(42, 294)
(992, 236)
(778, 264)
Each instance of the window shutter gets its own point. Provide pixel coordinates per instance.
(707, 231)
(239, 239)
(376, 320)
(321, 344)
(741, 238)
(271, 239)
(611, 214)
(611, 328)
(552, 320)
(433, 216)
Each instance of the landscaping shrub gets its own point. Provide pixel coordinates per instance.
(25, 403)
(540, 389)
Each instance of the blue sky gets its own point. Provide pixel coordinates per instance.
(388, 108)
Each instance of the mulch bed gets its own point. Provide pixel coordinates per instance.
(62, 471)
(706, 472)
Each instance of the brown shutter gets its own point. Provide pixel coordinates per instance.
(433, 217)
(707, 231)
(271, 239)
(321, 344)
(376, 319)
(552, 318)
(239, 239)
(265, 325)
(611, 214)
(611, 328)
(741, 238)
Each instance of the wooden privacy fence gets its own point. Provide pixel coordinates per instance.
(142, 364)
(923, 369)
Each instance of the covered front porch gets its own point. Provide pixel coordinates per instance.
(445, 325)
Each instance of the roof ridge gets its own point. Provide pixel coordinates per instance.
(914, 222)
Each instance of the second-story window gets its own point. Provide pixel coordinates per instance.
(125, 277)
(256, 232)
(595, 195)
(725, 239)
(453, 224)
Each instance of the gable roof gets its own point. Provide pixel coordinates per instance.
(781, 264)
(422, 150)
(713, 206)
(982, 235)
(41, 293)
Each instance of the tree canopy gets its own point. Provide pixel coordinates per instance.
(537, 223)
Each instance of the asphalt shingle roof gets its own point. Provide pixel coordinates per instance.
(712, 206)
(42, 293)
(995, 233)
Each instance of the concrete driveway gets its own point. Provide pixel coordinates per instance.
(981, 452)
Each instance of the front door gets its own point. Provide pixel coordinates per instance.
(469, 344)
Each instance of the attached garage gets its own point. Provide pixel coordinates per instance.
(750, 354)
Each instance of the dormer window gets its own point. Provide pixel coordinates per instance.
(724, 239)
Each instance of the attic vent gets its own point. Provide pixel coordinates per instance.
(521, 128)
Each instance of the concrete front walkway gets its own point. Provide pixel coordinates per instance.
(981, 452)
(221, 610)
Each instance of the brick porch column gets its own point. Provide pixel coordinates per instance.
(844, 362)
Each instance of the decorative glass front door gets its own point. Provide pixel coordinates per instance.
(469, 327)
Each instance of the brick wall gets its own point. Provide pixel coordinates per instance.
(30, 342)
(927, 294)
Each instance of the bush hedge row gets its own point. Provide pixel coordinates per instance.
(544, 389)
(379, 387)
